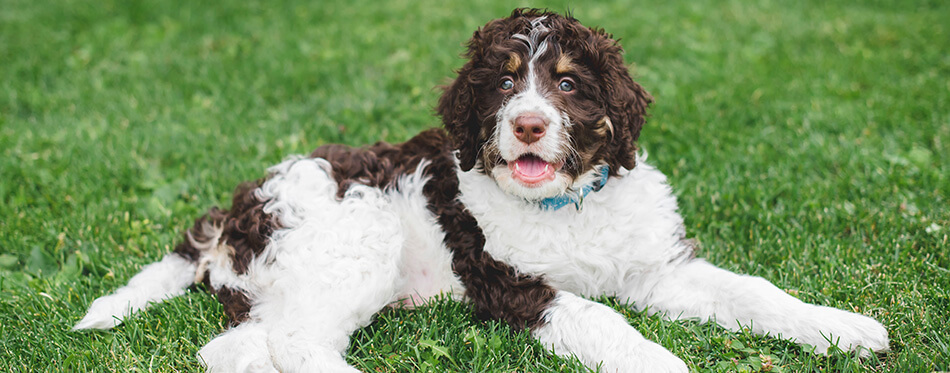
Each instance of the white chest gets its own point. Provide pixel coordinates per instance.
(629, 227)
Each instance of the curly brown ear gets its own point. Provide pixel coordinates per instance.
(459, 104)
(626, 102)
(456, 106)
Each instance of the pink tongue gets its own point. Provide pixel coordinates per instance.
(530, 166)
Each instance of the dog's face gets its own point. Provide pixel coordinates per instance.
(542, 103)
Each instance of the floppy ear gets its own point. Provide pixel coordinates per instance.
(459, 105)
(626, 102)
(457, 108)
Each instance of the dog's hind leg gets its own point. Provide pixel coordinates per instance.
(167, 278)
(156, 282)
(306, 350)
(311, 311)
(309, 328)
(327, 272)
(240, 349)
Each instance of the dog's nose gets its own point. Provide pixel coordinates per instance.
(530, 127)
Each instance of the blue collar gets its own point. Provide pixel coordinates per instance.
(556, 202)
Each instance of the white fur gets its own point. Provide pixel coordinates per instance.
(319, 279)
(628, 228)
(596, 334)
(426, 265)
(156, 282)
(700, 290)
(240, 349)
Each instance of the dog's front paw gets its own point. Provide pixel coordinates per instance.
(644, 357)
(848, 331)
(601, 338)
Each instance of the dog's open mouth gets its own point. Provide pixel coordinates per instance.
(530, 170)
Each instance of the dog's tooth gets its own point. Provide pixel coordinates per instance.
(517, 166)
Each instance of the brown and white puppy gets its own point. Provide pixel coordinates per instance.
(542, 121)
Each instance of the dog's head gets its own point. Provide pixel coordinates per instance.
(542, 103)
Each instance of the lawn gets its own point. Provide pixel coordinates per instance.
(808, 143)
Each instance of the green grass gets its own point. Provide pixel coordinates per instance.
(807, 142)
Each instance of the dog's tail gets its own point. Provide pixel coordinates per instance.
(165, 279)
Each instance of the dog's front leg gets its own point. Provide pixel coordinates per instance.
(561, 321)
(697, 289)
(597, 335)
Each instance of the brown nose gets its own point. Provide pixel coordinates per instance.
(530, 127)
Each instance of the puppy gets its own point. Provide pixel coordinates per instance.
(531, 199)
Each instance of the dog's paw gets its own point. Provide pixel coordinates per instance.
(848, 331)
(645, 357)
(601, 338)
(240, 349)
(104, 313)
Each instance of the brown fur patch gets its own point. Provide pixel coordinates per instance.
(513, 64)
(244, 230)
(564, 64)
(202, 234)
(236, 304)
(248, 228)
(605, 127)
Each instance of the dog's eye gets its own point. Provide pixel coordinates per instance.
(506, 84)
(566, 85)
